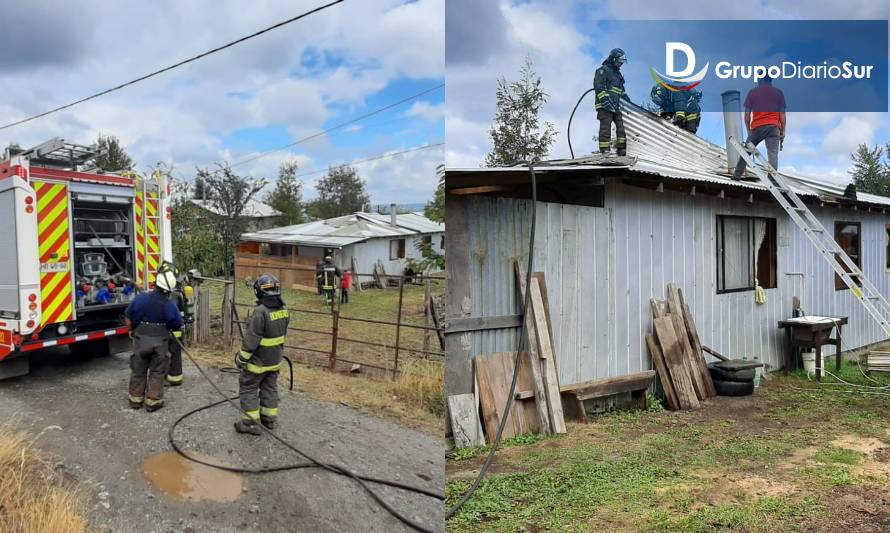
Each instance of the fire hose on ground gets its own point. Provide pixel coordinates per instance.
(363, 481)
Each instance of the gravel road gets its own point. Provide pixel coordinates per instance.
(80, 412)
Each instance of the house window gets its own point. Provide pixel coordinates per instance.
(848, 237)
(442, 242)
(428, 240)
(396, 249)
(746, 253)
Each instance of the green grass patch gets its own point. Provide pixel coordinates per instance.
(837, 455)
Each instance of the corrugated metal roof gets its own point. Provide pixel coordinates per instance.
(349, 229)
(253, 208)
(413, 221)
(658, 147)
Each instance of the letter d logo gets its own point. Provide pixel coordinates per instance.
(669, 50)
(679, 80)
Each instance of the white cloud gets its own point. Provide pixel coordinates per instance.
(427, 111)
(185, 116)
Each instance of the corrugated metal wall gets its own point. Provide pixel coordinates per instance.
(603, 265)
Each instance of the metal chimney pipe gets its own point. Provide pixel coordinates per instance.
(392, 214)
(732, 125)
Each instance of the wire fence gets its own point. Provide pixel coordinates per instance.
(329, 332)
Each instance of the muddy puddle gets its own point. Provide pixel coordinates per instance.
(185, 480)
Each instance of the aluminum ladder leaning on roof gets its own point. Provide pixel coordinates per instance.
(873, 301)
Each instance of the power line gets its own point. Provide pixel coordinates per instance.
(173, 66)
(337, 127)
(375, 158)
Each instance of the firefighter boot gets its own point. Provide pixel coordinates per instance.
(268, 421)
(248, 426)
(153, 405)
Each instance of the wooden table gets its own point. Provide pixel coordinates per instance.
(812, 332)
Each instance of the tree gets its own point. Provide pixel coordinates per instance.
(516, 134)
(200, 189)
(871, 169)
(288, 194)
(435, 208)
(227, 196)
(112, 158)
(340, 192)
(195, 243)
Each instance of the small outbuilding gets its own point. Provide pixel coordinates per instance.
(612, 232)
(361, 242)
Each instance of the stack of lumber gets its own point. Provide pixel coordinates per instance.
(536, 407)
(878, 361)
(677, 352)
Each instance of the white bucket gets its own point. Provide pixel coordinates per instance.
(809, 362)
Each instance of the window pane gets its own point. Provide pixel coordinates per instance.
(737, 253)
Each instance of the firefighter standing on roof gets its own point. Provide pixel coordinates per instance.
(152, 316)
(608, 84)
(260, 357)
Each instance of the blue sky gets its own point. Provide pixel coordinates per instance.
(567, 41)
(270, 91)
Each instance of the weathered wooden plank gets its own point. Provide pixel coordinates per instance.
(458, 365)
(548, 360)
(695, 343)
(601, 388)
(670, 347)
(531, 343)
(544, 296)
(660, 365)
(715, 353)
(465, 420)
(675, 311)
(493, 388)
(526, 405)
(480, 323)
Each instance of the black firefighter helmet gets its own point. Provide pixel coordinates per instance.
(617, 57)
(267, 285)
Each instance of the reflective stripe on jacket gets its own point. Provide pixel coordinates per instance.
(608, 84)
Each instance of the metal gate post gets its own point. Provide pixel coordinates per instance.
(395, 365)
(335, 326)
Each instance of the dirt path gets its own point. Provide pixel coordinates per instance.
(80, 411)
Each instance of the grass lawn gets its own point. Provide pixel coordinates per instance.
(415, 399)
(785, 459)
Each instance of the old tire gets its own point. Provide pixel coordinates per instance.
(734, 388)
(730, 375)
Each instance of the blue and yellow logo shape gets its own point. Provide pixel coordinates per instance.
(679, 84)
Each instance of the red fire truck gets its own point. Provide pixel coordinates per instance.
(76, 244)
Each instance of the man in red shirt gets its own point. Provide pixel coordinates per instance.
(765, 121)
(345, 285)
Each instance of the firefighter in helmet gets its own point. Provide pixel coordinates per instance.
(260, 357)
(330, 274)
(608, 83)
(152, 316)
(178, 297)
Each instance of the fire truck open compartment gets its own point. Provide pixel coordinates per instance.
(102, 228)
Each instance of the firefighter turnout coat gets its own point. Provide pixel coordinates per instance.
(263, 344)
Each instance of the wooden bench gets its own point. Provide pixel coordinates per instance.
(573, 396)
